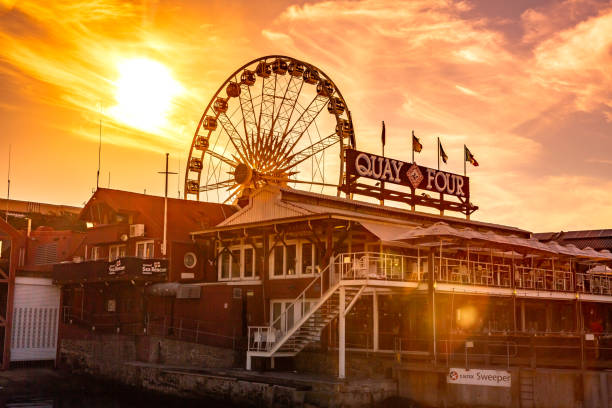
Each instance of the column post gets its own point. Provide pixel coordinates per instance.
(375, 327)
(341, 335)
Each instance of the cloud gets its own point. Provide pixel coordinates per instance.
(426, 66)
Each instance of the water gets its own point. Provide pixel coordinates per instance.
(107, 401)
(111, 399)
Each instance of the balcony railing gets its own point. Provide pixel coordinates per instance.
(594, 284)
(381, 266)
(544, 279)
(121, 269)
(462, 271)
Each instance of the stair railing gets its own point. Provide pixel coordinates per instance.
(265, 338)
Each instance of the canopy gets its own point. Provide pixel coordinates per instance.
(441, 230)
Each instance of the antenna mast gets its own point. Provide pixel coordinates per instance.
(99, 155)
(8, 187)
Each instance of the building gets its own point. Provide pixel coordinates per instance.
(133, 273)
(342, 275)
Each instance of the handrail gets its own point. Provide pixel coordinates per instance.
(302, 296)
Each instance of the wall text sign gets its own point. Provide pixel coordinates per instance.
(475, 376)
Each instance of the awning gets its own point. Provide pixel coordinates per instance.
(385, 232)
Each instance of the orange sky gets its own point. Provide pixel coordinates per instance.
(526, 85)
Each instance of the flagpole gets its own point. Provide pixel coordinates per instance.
(413, 146)
(464, 164)
(438, 153)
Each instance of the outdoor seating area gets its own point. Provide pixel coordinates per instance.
(501, 272)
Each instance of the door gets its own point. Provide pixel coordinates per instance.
(35, 320)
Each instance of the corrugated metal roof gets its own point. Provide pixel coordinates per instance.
(358, 207)
(596, 239)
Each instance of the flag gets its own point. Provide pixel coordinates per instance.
(416, 143)
(442, 152)
(382, 136)
(469, 156)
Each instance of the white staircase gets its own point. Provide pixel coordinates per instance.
(271, 341)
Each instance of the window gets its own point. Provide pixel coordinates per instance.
(115, 252)
(144, 249)
(249, 263)
(239, 262)
(96, 253)
(294, 259)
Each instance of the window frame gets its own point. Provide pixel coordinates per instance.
(118, 247)
(96, 253)
(145, 243)
(299, 273)
(226, 252)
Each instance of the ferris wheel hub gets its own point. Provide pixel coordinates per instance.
(243, 174)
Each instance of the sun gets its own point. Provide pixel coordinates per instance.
(145, 91)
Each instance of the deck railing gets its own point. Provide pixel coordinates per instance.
(381, 266)
(594, 283)
(544, 279)
(453, 270)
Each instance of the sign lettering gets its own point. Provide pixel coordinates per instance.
(474, 376)
(380, 168)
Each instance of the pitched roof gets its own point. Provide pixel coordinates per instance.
(271, 203)
(183, 215)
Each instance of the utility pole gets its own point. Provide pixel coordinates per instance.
(165, 242)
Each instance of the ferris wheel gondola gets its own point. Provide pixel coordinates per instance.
(271, 122)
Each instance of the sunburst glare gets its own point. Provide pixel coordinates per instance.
(144, 93)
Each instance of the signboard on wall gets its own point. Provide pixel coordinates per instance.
(475, 376)
(388, 172)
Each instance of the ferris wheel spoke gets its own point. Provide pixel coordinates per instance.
(266, 111)
(233, 135)
(287, 105)
(216, 165)
(248, 110)
(310, 151)
(221, 184)
(306, 118)
(218, 156)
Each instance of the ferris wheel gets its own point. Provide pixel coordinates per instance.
(275, 120)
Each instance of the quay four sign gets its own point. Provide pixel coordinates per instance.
(474, 376)
(380, 168)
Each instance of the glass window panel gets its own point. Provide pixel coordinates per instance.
(235, 263)
(276, 311)
(258, 260)
(291, 259)
(307, 258)
(149, 250)
(248, 262)
(278, 260)
(225, 266)
(140, 250)
(122, 251)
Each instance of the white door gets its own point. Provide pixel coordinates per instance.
(35, 320)
(290, 313)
